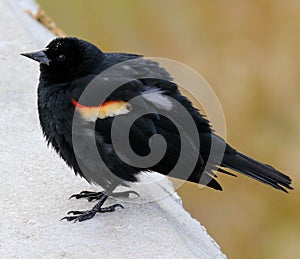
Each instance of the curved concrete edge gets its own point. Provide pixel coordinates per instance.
(35, 184)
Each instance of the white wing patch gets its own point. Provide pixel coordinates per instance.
(157, 98)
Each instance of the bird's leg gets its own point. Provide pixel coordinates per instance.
(90, 196)
(84, 215)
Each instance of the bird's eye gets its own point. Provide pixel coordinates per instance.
(61, 57)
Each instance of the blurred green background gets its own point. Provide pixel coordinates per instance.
(249, 51)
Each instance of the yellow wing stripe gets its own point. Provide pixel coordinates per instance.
(107, 109)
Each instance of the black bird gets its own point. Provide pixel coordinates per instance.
(69, 65)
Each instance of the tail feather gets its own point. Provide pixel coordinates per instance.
(221, 170)
(254, 169)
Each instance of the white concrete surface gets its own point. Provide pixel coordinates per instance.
(35, 184)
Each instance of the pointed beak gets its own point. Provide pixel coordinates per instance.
(39, 56)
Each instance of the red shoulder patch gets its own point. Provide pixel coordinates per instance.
(110, 108)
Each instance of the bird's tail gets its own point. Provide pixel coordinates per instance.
(254, 169)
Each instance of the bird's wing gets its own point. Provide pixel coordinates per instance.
(148, 107)
(153, 102)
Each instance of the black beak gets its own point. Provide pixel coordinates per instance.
(39, 56)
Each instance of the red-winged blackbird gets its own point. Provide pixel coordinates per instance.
(69, 65)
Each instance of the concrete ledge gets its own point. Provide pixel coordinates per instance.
(35, 184)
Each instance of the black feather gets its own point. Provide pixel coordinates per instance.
(60, 82)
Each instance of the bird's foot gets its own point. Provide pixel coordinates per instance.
(85, 215)
(90, 196)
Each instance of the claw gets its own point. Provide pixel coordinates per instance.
(111, 208)
(102, 197)
(84, 215)
(124, 194)
(68, 218)
(90, 196)
(75, 212)
(87, 194)
(73, 196)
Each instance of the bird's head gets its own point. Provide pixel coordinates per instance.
(66, 58)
